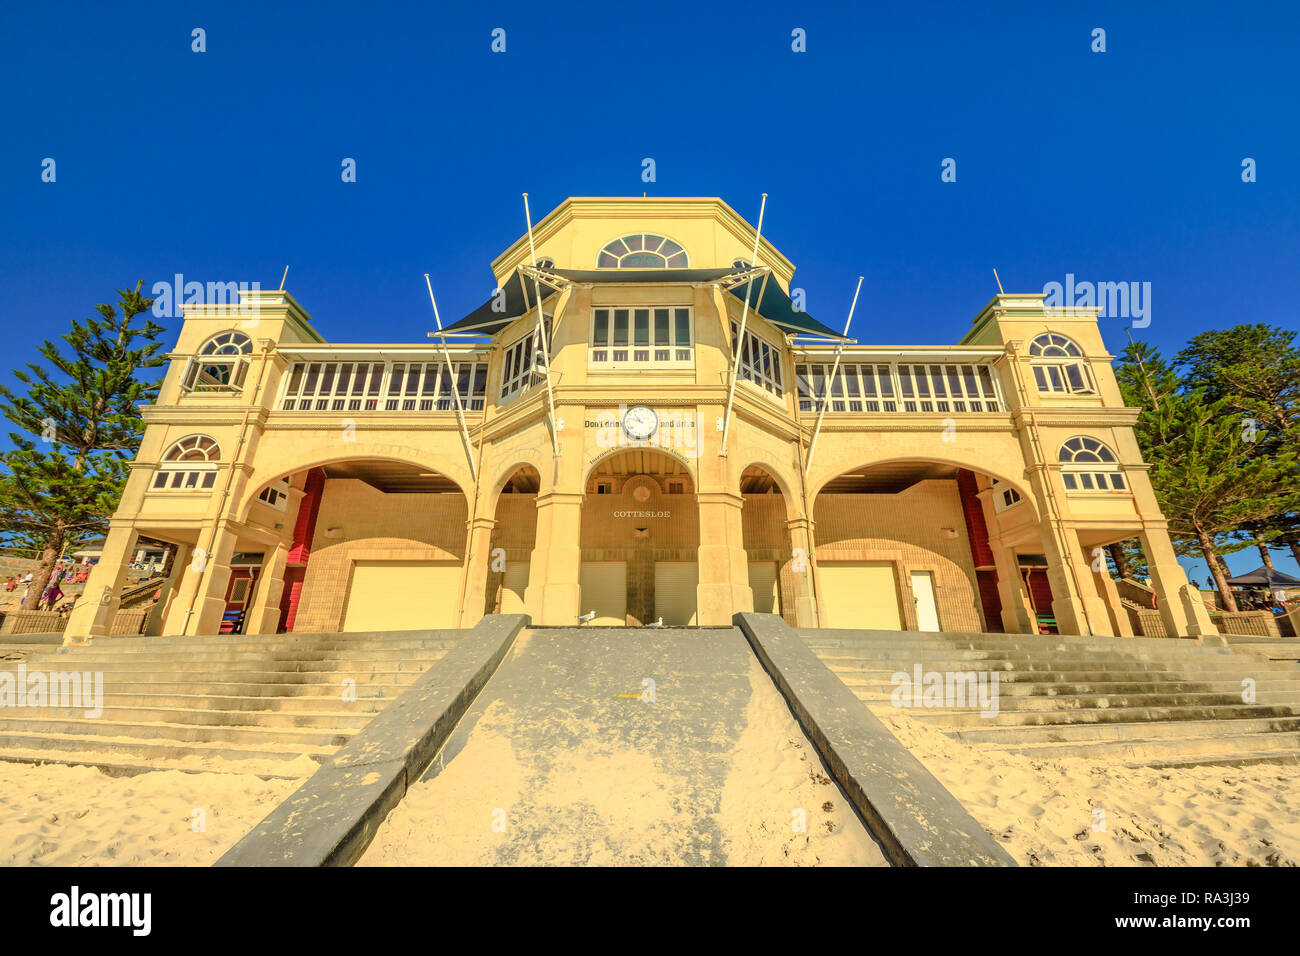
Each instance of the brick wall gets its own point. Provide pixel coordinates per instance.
(907, 528)
(767, 538)
(373, 526)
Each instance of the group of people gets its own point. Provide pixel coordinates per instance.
(51, 596)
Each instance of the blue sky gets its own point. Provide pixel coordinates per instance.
(225, 165)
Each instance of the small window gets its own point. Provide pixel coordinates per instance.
(1058, 366)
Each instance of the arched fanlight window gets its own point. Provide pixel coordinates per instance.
(1051, 345)
(1059, 367)
(642, 251)
(189, 465)
(1089, 465)
(221, 364)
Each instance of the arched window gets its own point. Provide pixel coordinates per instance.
(643, 251)
(189, 465)
(1089, 465)
(221, 364)
(1058, 366)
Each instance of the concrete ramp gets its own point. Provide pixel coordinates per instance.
(640, 746)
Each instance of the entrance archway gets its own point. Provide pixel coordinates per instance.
(640, 540)
(363, 544)
(514, 535)
(766, 532)
(923, 545)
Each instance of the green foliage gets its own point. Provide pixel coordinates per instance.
(79, 424)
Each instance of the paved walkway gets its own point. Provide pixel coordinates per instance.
(627, 746)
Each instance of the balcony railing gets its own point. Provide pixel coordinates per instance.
(898, 387)
(384, 386)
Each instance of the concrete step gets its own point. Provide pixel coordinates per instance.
(244, 670)
(1066, 670)
(1004, 735)
(995, 660)
(1183, 749)
(971, 718)
(311, 688)
(256, 647)
(117, 766)
(1034, 702)
(1221, 759)
(358, 657)
(305, 704)
(1025, 688)
(83, 745)
(339, 722)
(36, 723)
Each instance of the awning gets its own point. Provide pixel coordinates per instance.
(1263, 577)
(490, 318)
(776, 306)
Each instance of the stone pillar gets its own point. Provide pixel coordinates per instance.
(1120, 624)
(158, 616)
(723, 565)
(264, 616)
(1016, 614)
(93, 615)
(554, 587)
(1066, 575)
(801, 558)
(204, 587)
(1180, 607)
(477, 564)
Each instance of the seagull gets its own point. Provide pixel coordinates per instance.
(589, 616)
(658, 623)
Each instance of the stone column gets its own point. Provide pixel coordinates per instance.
(1181, 609)
(264, 616)
(206, 580)
(93, 615)
(554, 587)
(1065, 575)
(477, 564)
(723, 565)
(1120, 623)
(158, 616)
(801, 559)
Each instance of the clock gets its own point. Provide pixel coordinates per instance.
(640, 422)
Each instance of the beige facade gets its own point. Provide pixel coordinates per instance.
(976, 480)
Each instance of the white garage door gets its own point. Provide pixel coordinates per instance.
(402, 596)
(763, 581)
(860, 594)
(603, 585)
(512, 587)
(676, 584)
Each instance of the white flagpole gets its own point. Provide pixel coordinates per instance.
(541, 331)
(812, 447)
(451, 373)
(739, 345)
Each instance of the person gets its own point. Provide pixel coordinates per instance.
(11, 583)
(52, 596)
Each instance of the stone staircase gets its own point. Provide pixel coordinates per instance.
(1136, 701)
(267, 704)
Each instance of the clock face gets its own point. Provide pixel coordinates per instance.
(640, 422)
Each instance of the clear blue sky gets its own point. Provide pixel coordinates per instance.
(225, 165)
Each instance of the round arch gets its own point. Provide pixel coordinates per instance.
(1020, 485)
(681, 459)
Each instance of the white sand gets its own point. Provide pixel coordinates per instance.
(609, 805)
(1042, 810)
(54, 815)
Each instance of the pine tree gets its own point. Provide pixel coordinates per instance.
(1256, 370)
(80, 424)
(1209, 478)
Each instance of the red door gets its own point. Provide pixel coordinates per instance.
(239, 598)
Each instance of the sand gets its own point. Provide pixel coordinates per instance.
(1044, 811)
(606, 804)
(54, 815)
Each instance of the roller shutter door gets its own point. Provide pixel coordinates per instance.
(675, 591)
(763, 582)
(860, 595)
(603, 585)
(512, 587)
(402, 596)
